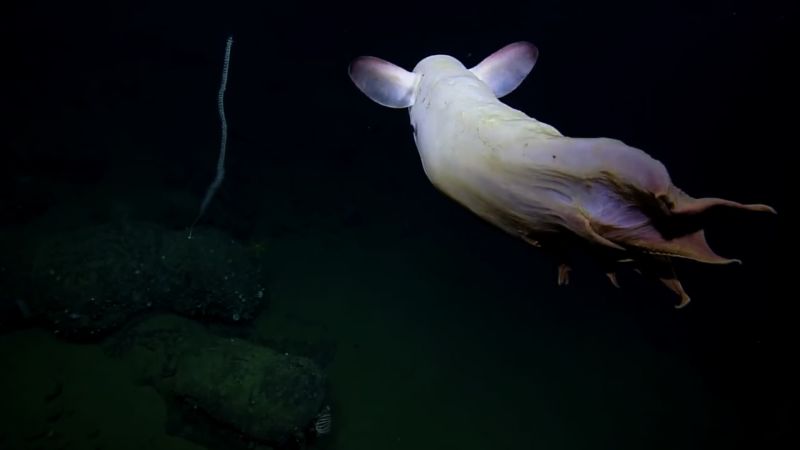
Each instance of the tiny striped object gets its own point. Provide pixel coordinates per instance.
(322, 424)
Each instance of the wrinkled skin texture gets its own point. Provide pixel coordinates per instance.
(618, 202)
(552, 191)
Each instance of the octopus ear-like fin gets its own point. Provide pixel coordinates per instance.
(504, 70)
(383, 82)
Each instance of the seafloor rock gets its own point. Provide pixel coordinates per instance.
(89, 281)
(262, 395)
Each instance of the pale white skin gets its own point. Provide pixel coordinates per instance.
(523, 175)
(503, 164)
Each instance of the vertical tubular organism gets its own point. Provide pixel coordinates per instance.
(221, 161)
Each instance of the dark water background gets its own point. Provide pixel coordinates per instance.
(447, 333)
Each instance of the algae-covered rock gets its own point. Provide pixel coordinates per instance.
(91, 280)
(262, 394)
(209, 275)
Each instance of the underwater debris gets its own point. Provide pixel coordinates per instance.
(323, 422)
